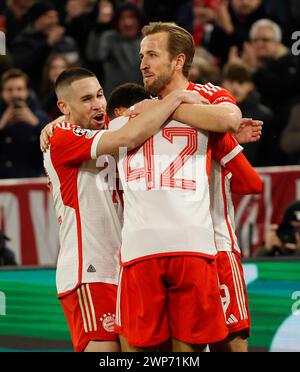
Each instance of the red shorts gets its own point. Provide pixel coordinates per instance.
(90, 312)
(170, 297)
(233, 292)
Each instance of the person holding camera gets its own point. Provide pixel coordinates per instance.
(20, 126)
(284, 239)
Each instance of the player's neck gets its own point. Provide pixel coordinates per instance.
(179, 82)
(70, 119)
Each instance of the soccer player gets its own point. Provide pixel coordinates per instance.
(88, 262)
(123, 97)
(168, 283)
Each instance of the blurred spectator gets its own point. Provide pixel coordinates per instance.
(276, 71)
(15, 18)
(233, 22)
(203, 69)
(20, 126)
(105, 14)
(290, 139)
(44, 36)
(197, 16)
(54, 66)
(76, 8)
(277, 78)
(284, 239)
(82, 16)
(237, 78)
(7, 256)
(118, 49)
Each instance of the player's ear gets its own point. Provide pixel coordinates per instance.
(119, 111)
(180, 61)
(63, 107)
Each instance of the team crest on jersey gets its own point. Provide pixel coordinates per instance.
(90, 134)
(79, 132)
(108, 322)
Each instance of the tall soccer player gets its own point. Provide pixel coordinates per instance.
(243, 180)
(248, 183)
(88, 262)
(169, 284)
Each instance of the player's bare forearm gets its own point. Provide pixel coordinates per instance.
(216, 118)
(139, 129)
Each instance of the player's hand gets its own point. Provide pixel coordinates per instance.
(249, 131)
(47, 133)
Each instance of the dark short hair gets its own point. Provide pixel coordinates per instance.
(237, 71)
(14, 73)
(125, 95)
(67, 77)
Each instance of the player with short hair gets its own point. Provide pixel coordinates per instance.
(119, 102)
(168, 283)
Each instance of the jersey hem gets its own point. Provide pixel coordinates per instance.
(168, 254)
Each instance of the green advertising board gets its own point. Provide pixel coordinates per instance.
(31, 318)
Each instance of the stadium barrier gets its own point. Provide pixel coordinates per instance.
(28, 218)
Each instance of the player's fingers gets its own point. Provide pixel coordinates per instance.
(44, 141)
(257, 123)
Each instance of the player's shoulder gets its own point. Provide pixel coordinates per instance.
(65, 133)
(118, 123)
(63, 130)
(208, 88)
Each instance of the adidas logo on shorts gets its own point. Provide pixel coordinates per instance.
(232, 319)
(91, 269)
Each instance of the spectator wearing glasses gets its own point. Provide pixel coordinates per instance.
(276, 76)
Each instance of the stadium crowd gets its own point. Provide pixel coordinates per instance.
(243, 45)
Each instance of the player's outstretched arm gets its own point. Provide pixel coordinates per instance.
(222, 118)
(142, 127)
(245, 179)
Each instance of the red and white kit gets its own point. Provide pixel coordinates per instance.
(90, 230)
(167, 214)
(230, 270)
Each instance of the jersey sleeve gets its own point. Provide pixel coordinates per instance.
(224, 147)
(214, 94)
(118, 123)
(73, 146)
(245, 179)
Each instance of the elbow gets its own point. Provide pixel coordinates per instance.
(257, 187)
(232, 121)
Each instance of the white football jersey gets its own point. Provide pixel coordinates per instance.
(90, 230)
(222, 208)
(166, 193)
